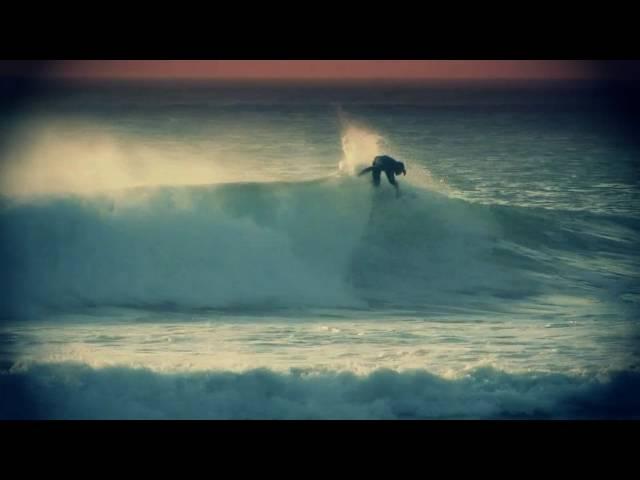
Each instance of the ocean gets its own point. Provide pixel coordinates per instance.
(198, 251)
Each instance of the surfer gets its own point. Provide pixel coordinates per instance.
(386, 164)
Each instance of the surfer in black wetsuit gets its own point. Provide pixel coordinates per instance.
(386, 164)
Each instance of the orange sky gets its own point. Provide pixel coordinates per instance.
(319, 69)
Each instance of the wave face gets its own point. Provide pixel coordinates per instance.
(208, 252)
(334, 242)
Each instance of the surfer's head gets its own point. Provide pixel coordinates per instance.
(400, 168)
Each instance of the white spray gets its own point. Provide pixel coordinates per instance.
(359, 145)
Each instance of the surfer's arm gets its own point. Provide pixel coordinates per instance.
(391, 178)
(366, 170)
(392, 181)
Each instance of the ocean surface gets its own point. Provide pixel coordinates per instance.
(193, 251)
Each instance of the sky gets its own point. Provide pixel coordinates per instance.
(308, 69)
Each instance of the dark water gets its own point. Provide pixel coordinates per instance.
(198, 233)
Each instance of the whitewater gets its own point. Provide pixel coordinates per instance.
(212, 254)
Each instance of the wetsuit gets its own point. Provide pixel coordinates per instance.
(386, 164)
